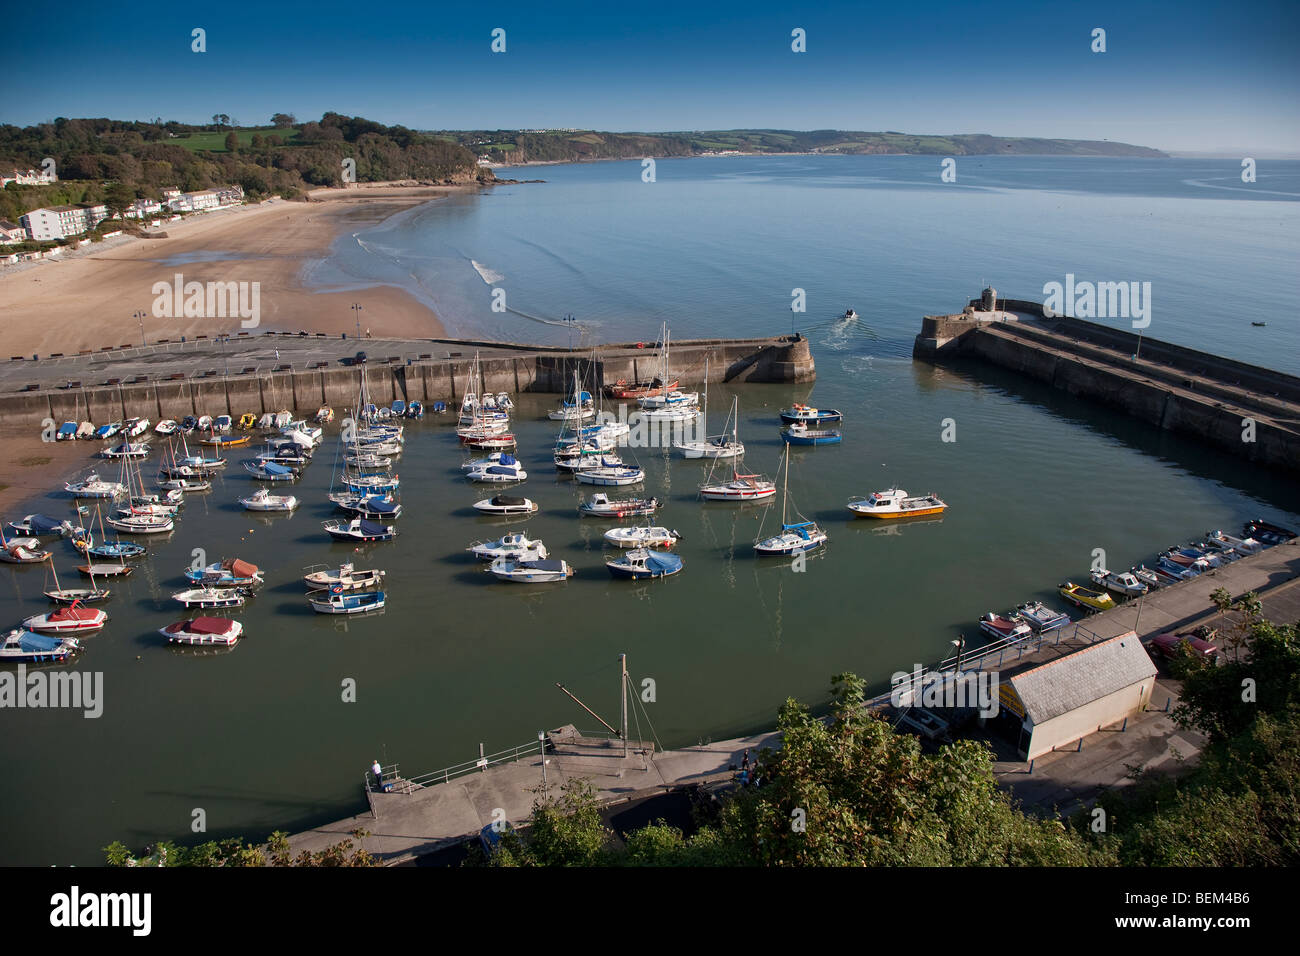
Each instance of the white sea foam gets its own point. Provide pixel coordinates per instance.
(487, 275)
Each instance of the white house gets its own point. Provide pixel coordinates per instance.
(11, 232)
(59, 222)
(31, 177)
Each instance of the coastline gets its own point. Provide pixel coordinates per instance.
(89, 302)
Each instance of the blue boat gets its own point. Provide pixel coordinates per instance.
(37, 525)
(398, 408)
(336, 600)
(643, 563)
(67, 430)
(117, 549)
(440, 408)
(414, 410)
(800, 434)
(269, 471)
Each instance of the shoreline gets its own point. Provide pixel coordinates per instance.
(60, 306)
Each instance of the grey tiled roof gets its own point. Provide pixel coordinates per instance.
(1080, 678)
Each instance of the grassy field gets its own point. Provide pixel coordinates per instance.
(215, 140)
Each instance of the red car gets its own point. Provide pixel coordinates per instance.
(1198, 640)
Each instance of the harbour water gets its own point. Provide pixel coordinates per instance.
(260, 737)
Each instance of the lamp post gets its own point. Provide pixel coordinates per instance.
(541, 740)
(356, 310)
(139, 317)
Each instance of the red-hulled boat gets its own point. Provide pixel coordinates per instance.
(623, 389)
(218, 631)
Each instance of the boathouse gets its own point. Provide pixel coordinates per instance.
(1065, 700)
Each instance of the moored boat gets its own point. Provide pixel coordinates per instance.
(92, 487)
(530, 572)
(1004, 627)
(16, 552)
(505, 505)
(642, 563)
(1086, 598)
(515, 545)
(807, 415)
(24, 647)
(73, 619)
(359, 529)
(896, 503)
(506, 469)
(210, 597)
(642, 537)
(1041, 617)
(1124, 583)
(203, 631)
(263, 500)
(600, 505)
(335, 600)
(801, 434)
(228, 572)
(346, 576)
(1267, 532)
(609, 474)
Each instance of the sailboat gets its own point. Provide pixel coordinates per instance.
(62, 595)
(740, 487)
(793, 538)
(669, 405)
(718, 446)
(579, 409)
(623, 389)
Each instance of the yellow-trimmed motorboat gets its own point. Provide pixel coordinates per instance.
(1086, 598)
(895, 503)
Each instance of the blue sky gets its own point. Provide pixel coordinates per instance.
(1210, 77)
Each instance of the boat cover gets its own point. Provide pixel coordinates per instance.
(239, 568)
(659, 562)
(271, 468)
(373, 527)
(508, 459)
(42, 524)
(379, 506)
(74, 613)
(499, 470)
(37, 642)
(202, 625)
(508, 500)
(543, 565)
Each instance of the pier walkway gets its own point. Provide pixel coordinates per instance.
(422, 814)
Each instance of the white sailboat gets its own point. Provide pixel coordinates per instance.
(747, 487)
(716, 446)
(793, 538)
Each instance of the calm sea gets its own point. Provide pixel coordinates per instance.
(260, 737)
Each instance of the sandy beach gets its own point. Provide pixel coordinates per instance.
(88, 302)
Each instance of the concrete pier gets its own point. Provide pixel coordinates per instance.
(269, 372)
(1250, 411)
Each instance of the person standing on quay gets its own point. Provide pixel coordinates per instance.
(378, 771)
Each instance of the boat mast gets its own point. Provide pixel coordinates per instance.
(785, 486)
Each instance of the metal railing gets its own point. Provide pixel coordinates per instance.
(447, 774)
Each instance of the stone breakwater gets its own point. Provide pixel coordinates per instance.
(266, 373)
(1251, 411)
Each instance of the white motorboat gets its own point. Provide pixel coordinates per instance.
(204, 631)
(896, 503)
(1226, 542)
(92, 487)
(515, 545)
(210, 597)
(610, 474)
(507, 469)
(530, 572)
(165, 427)
(346, 577)
(263, 500)
(600, 505)
(335, 601)
(672, 399)
(642, 537)
(142, 523)
(1123, 582)
(505, 505)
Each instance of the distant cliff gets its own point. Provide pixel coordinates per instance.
(570, 145)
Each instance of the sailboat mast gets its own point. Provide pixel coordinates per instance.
(785, 486)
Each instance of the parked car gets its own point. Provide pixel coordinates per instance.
(1200, 641)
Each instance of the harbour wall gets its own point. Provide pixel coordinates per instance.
(1251, 411)
(426, 370)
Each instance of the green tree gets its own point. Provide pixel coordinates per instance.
(283, 120)
(118, 198)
